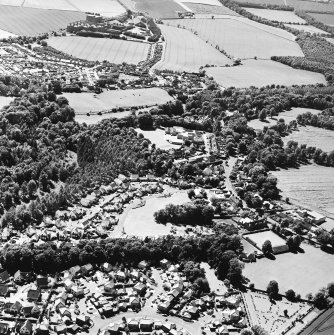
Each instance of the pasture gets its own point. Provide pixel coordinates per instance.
(243, 38)
(261, 73)
(276, 15)
(315, 266)
(159, 9)
(187, 52)
(99, 49)
(324, 18)
(32, 21)
(215, 10)
(309, 185)
(307, 29)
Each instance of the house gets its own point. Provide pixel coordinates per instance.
(140, 288)
(133, 326)
(59, 303)
(68, 283)
(26, 310)
(109, 289)
(87, 269)
(26, 328)
(42, 329)
(64, 312)
(4, 328)
(16, 308)
(165, 263)
(143, 265)
(4, 290)
(77, 291)
(82, 320)
(120, 276)
(146, 325)
(42, 281)
(134, 303)
(36, 311)
(22, 277)
(222, 330)
(4, 277)
(75, 270)
(34, 295)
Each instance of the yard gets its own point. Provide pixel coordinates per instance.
(262, 73)
(250, 38)
(276, 15)
(314, 269)
(187, 52)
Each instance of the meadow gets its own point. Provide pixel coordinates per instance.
(307, 29)
(324, 18)
(159, 9)
(32, 21)
(99, 49)
(261, 73)
(250, 39)
(315, 266)
(187, 52)
(276, 15)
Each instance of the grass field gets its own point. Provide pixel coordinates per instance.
(159, 9)
(186, 52)
(324, 18)
(31, 21)
(314, 268)
(199, 8)
(310, 185)
(99, 49)
(276, 15)
(204, 2)
(309, 6)
(307, 29)
(261, 73)
(158, 138)
(330, 40)
(243, 38)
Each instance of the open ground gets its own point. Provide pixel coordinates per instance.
(99, 49)
(261, 237)
(262, 73)
(276, 15)
(314, 268)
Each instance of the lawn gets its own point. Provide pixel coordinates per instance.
(159, 9)
(307, 29)
(200, 8)
(324, 18)
(313, 268)
(243, 38)
(276, 15)
(262, 73)
(187, 52)
(261, 237)
(32, 21)
(158, 138)
(99, 49)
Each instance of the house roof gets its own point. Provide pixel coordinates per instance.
(4, 276)
(33, 294)
(27, 325)
(4, 289)
(4, 327)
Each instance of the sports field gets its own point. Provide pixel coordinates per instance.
(159, 9)
(324, 18)
(276, 15)
(243, 38)
(100, 49)
(314, 267)
(32, 21)
(307, 29)
(186, 52)
(199, 8)
(261, 73)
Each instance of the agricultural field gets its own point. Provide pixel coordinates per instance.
(261, 2)
(99, 49)
(250, 39)
(49, 4)
(32, 21)
(203, 2)
(198, 8)
(310, 186)
(187, 52)
(310, 6)
(315, 265)
(261, 73)
(276, 15)
(324, 18)
(12, 2)
(159, 9)
(307, 29)
(95, 118)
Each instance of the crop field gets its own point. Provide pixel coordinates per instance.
(49, 4)
(315, 266)
(324, 18)
(243, 38)
(159, 9)
(99, 49)
(310, 185)
(186, 52)
(307, 29)
(261, 73)
(210, 9)
(276, 15)
(32, 21)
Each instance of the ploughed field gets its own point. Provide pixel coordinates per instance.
(185, 51)
(242, 38)
(262, 73)
(32, 21)
(276, 15)
(99, 49)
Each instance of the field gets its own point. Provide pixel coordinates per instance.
(4, 101)
(6, 34)
(210, 9)
(324, 18)
(310, 186)
(87, 102)
(186, 52)
(261, 237)
(276, 15)
(99, 49)
(286, 115)
(314, 267)
(324, 325)
(261, 73)
(307, 29)
(261, 2)
(159, 9)
(95, 118)
(157, 137)
(31, 21)
(203, 2)
(243, 38)
(310, 6)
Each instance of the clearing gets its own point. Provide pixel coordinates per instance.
(4, 101)
(310, 186)
(276, 15)
(262, 73)
(187, 52)
(324, 18)
(307, 29)
(315, 266)
(157, 137)
(32, 21)
(100, 49)
(215, 10)
(250, 38)
(159, 9)
(89, 102)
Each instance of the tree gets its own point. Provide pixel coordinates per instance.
(235, 272)
(330, 289)
(247, 332)
(258, 330)
(320, 300)
(272, 289)
(290, 295)
(145, 121)
(267, 247)
(262, 115)
(32, 188)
